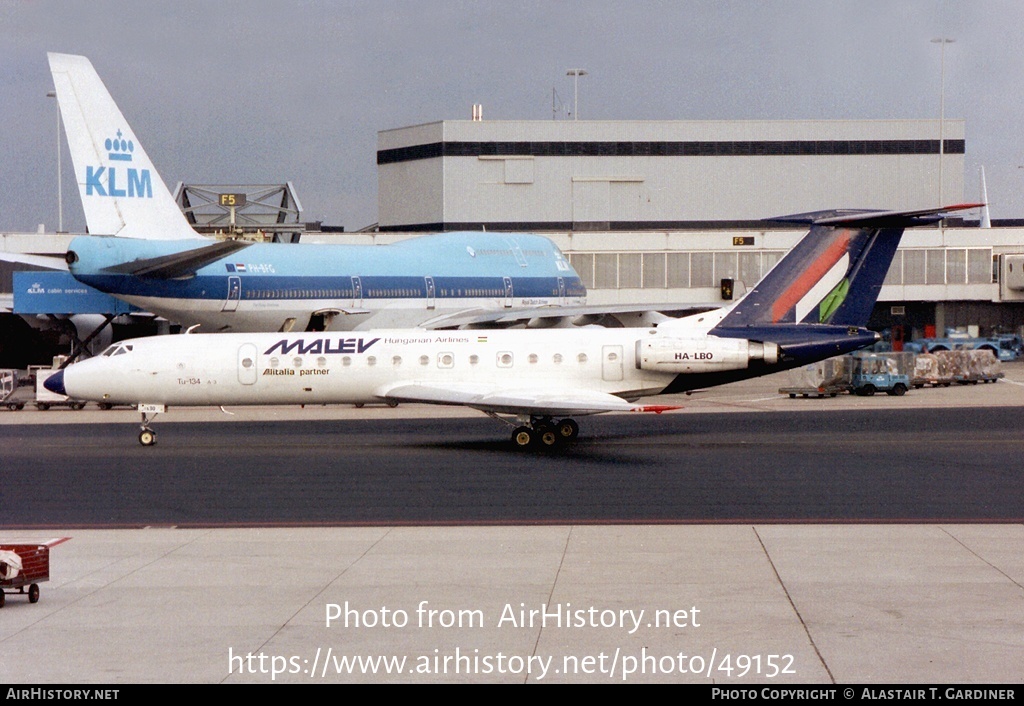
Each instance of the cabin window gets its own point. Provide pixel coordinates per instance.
(445, 360)
(297, 362)
(396, 361)
(371, 360)
(346, 361)
(532, 358)
(505, 360)
(582, 357)
(246, 363)
(274, 362)
(424, 360)
(557, 358)
(474, 359)
(321, 362)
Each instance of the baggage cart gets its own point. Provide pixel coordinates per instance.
(16, 389)
(23, 566)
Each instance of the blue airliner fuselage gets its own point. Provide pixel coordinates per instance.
(273, 286)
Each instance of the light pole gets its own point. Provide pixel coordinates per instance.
(575, 73)
(60, 196)
(942, 42)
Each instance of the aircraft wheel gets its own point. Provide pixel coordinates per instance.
(78, 405)
(547, 436)
(33, 593)
(523, 437)
(568, 429)
(392, 403)
(42, 406)
(359, 405)
(147, 437)
(105, 406)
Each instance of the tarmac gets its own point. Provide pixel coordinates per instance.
(737, 605)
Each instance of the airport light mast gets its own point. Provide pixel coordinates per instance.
(942, 42)
(576, 73)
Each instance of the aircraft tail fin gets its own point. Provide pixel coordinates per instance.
(122, 193)
(834, 274)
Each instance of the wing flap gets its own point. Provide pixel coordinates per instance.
(490, 398)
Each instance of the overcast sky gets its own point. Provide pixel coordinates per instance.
(257, 91)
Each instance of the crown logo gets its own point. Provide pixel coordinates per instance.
(119, 149)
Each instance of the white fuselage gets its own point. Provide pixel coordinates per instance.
(359, 367)
(353, 368)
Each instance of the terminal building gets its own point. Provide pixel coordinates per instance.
(664, 211)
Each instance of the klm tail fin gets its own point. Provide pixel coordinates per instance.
(834, 274)
(122, 194)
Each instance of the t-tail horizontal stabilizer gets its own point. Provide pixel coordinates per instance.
(832, 276)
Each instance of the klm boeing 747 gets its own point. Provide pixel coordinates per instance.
(142, 249)
(814, 304)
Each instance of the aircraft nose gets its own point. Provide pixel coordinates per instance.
(55, 383)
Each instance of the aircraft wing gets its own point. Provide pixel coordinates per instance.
(549, 401)
(551, 316)
(179, 264)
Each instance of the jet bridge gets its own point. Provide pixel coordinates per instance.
(270, 212)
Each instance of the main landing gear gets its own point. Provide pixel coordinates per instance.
(543, 432)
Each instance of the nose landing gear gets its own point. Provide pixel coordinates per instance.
(147, 437)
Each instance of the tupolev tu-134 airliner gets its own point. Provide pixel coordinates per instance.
(814, 304)
(143, 250)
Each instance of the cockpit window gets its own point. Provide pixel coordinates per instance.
(117, 349)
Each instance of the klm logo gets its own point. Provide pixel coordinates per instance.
(115, 181)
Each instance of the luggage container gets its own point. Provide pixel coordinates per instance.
(932, 369)
(826, 378)
(46, 399)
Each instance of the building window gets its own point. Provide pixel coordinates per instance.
(654, 270)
